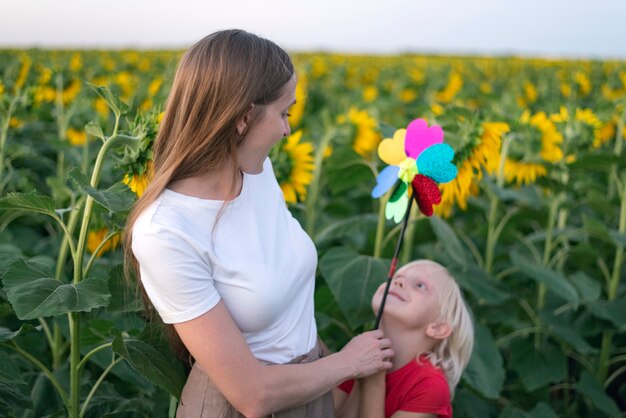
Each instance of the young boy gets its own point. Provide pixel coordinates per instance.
(432, 335)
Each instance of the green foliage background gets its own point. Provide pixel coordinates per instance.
(540, 262)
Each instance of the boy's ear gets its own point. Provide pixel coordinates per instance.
(244, 121)
(439, 330)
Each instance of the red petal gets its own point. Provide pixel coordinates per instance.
(426, 194)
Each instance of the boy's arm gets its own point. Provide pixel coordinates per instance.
(347, 405)
(372, 399)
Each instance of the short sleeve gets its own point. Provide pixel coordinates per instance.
(431, 395)
(174, 274)
(347, 386)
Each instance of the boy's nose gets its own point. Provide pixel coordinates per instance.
(398, 282)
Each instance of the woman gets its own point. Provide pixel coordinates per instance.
(218, 253)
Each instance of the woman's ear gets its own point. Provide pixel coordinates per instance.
(243, 123)
(439, 330)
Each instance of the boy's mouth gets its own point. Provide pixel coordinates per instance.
(392, 293)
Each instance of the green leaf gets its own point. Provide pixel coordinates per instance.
(109, 403)
(619, 238)
(553, 280)
(588, 288)
(353, 278)
(543, 410)
(118, 106)
(7, 335)
(163, 371)
(485, 372)
(92, 128)
(482, 286)
(8, 254)
(28, 202)
(132, 143)
(9, 372)
(468, 404)
(46, 400)
(595, 162)
(527, 195)
(346, 227)
(537, 368)
(346, 170)
(613, 311)
(13, 398)
(570, 336)
(386, 130)
(117, 198)
(33, 292)
(597, 229)
(451, 243)
(124, 297)
(594, 391)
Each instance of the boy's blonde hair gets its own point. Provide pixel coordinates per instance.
(453, 353)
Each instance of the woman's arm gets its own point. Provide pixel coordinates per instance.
(256, 390)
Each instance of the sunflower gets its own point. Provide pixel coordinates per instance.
(76, 137)
(297, 110)
(293, 166)
(525, 170)
(367, 137)
(138, 182)
(96, 237)
(483, 153)
(455, 83)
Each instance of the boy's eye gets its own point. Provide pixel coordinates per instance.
(420, 285)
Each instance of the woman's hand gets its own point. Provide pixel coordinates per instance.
(368, 353)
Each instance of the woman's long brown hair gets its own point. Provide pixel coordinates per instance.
(216, 81)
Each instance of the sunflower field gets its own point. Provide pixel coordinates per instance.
(533, 227)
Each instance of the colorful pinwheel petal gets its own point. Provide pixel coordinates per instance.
(418, 160)
(397, 204)
(385, 180)
(427, 194)
(436, 163)
(419, 137)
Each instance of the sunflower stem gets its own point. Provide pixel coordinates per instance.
(380, 227)
(74, 317)
(492, 221)
(607, 336)
(547, 251)
(313, 195)
(4, 133)
(407, 249)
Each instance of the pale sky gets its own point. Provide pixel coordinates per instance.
(546, 28)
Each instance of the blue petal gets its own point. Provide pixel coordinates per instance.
(385, 180)
(435, 162)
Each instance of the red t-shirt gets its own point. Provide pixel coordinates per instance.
(416, 387)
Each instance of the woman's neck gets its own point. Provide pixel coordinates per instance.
(214, 185)
(407, 344)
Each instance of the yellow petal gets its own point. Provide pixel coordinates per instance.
(392, 151)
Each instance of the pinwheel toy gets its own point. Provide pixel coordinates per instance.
(418, 160)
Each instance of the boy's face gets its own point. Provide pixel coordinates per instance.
(413, 298)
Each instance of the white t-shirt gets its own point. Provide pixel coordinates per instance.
(258, 260)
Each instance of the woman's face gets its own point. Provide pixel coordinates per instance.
(271, 126)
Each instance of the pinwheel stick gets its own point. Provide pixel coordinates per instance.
(394, 261)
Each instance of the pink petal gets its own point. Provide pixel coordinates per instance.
(419, 137)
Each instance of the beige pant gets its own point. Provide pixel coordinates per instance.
(202, 399)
